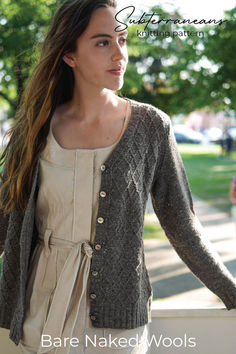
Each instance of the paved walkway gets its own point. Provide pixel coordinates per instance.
(173, 283)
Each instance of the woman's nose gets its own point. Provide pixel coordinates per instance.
(118, 53)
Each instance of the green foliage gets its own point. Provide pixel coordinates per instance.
(178, 73)
(220, 46)
(23, 25)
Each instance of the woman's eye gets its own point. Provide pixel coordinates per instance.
(106, 41)
(124, 39)
(102, 42)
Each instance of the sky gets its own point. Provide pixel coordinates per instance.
(197, 9)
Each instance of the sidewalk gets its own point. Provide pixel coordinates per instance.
(174, 285)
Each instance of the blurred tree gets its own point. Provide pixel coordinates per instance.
(220, 48)
(178, 73)
(22, 26)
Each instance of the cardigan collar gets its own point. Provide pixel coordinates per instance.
(126, 139)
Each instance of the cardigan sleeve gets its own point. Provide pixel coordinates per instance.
(173, 205)
(3, 223)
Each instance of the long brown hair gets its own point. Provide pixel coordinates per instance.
(50, 84)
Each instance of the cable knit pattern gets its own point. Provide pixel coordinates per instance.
(146, 160)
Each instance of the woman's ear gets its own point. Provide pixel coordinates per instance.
(69, 59)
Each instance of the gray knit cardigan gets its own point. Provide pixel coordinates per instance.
(146, 159)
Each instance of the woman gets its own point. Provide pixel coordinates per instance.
(79, 167)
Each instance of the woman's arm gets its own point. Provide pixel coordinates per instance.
(3, 231)
(173, 205)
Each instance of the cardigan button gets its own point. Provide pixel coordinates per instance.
(98, 247)
(93, 318)
(103, 194)
(100, 220)
(103, 167)
(94, 272)
(93, 296)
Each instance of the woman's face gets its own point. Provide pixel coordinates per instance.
(100, 49)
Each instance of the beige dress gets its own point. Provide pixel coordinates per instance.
(57, 296)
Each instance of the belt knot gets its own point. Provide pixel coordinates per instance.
(87, 249)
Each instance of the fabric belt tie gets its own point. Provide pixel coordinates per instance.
(57, 325)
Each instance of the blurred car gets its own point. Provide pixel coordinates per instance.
(184, 134)
(3, 142)
(4, 139)
(232, 132)
(214, 134)
(221, 139)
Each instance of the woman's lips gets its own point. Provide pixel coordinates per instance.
(116, 72)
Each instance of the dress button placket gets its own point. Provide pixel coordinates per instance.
(98, 247)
